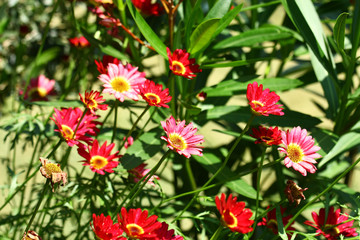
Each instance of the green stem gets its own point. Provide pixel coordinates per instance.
(141, 183)
(221, 168)
(78, 124)
(147, 122)
(106, 118)
(38, 204)
(190, 174)
(217, 233)
(172, 94)
(115, 120)
(134, 126)
(322, 193)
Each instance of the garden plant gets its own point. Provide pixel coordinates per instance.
(179, 119)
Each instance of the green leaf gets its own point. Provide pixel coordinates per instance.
(202, 35)
(219, 9)
(47, 55)
(143, 149)
(279, 220)
(252, 37)
(146, 30)
(212, 163)
(234, 63)
(193, 110)
(226, 20)
(190, 22)
(109, 50)
(339, 30)
(230, 87)
(63, 103)
(345, 143)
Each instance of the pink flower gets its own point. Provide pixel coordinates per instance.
(334, 226)
(182, 138)
(129, 142)
(140, 171)
(300, 150)
(68, 119)
(102, 65)
(39, 88)
(98, 158)
(263, 102)
(122, 81)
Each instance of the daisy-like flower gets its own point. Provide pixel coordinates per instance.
(31, 235)
(122, 81)
(181, 138)
(234, 215)
(39, 88)
(300, 150)
(98, 158)
(92, 101)
(102, 65)
(164, 234)
(68, 118)
(335, 225)
(154, 95)
(79, 42)
(148, 7)
(180, 64)
(137, 225)
(105, 229)
(263, 102)
(53, 172)
(271, 222)
(267, 136)
(140, 171)
(294, 193)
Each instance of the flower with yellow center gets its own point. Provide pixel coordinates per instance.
(154, 95)
(178, 68)
(134, 230)
(177, 141)
(67, 132)
(39, 88)
(92, 101)
(180, 63)
(122, 81)
(53, 172)
(300, 150)
(98, 162)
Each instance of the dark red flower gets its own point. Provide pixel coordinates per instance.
(154, 95)
(137, 225)
(164, 234)
(201, 96)
(263, 102)
(92, 101)
(98, 158)
(336, 224)
(234, 215)
(148, 8)
(180, 64)
(105, 229)
(267, 136)
(271, 222)
(102, 65)
(79, 42)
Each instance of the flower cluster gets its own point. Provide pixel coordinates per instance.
(132, 224)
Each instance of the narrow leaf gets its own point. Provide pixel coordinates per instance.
(279, 220)
(226, 20)
(202, 35)
(219, 9)
(234, 63)
(339, 30)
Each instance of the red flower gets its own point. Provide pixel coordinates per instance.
(105, 229)
(271, 222)
(102, 65)
(137, 225)
(98, 158)
(79, 42)
(92, 101)
(148, 8)
(334, 226)
(201, 96)
(263, 102)
(234, 215)
(180, 64)
(164, 234)
(39, 88)
(154, 95)
(267, 136)
(129, 142)
(140, 171)
(67, 120)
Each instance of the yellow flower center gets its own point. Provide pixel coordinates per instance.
(229, 219)
(98, 162)
(153, 98)
(134, 230)
(256, 105)
(91, 103)
(332, 230)
(51, 168)
(178, 67)
(38, 91)
(295, 153)
(120, 84)
(67, 132)
(177, 141)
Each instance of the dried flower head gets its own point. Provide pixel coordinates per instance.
(31, 235)
(294, 193)
(53, 172)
